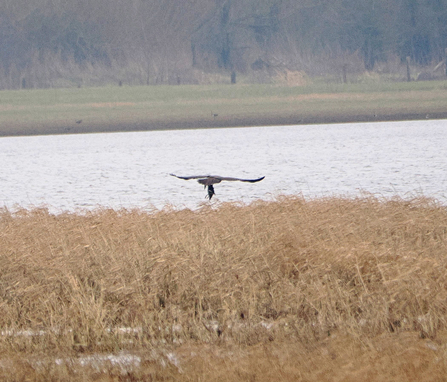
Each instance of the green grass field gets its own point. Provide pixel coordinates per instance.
(55, 111)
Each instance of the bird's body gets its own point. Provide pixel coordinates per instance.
(210, 180)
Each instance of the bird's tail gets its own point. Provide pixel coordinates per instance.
(210, 191)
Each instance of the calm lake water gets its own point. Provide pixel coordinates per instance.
(71, 172)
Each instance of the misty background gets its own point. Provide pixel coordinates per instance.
(62, 43)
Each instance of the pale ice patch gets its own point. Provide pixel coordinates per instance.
(99, 362)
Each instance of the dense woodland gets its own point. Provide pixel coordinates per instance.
(46, 43)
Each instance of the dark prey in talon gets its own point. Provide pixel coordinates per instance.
(209, 180)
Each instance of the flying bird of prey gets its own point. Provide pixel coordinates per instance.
(210, 180)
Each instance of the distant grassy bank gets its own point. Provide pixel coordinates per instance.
(295, 289)
(61, 111)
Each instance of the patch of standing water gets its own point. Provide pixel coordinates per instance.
(78, 172)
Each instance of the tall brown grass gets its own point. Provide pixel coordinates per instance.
(295, 289)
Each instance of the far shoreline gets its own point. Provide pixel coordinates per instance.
(131, 109)
(204, 123)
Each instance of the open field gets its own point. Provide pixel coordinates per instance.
(57, 111)
(291, 290)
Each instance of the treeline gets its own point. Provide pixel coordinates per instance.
(47, 43)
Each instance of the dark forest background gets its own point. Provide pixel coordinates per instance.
(46, 43)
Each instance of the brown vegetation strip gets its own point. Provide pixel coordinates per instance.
(299, 286)
(124, 125)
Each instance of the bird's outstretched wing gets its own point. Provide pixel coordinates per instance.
(239, 179)
(220, 178)
(191, 177)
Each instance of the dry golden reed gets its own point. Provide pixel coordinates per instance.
(303, 287)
